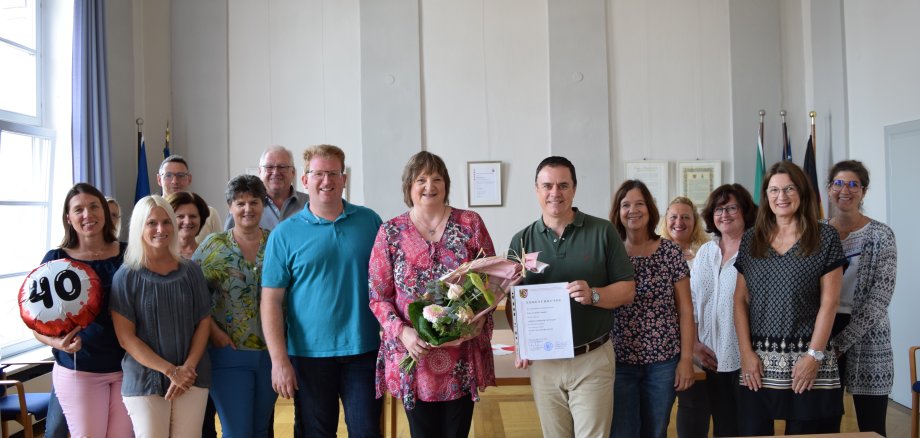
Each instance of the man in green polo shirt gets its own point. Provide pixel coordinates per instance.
(574, 397)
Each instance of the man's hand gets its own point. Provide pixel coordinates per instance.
(284, 382)
(580, 292)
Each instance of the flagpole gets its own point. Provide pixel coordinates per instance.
(814, 151)
(814, 139)
(787, 149)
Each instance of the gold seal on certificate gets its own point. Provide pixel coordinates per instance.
(542, 321)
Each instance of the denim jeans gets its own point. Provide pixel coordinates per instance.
(242, 372)
(642, 399)
(322, 381)
(55, 423)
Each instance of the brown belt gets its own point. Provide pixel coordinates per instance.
(593, 345)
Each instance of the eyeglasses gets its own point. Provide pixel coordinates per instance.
(177, 175)
(839, 184)
(277, 168)
(789, 190)
(730, 209)
(320, 175)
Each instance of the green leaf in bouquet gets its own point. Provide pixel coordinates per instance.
(477, 281)
(489, 296)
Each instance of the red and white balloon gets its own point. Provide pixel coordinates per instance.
(60, 295)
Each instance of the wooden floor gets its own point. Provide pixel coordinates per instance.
(509, 412)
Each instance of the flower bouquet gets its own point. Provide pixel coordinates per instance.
(454, 307)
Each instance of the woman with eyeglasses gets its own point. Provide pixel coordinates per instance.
(861, 334)
(728, 213)
(790, 269)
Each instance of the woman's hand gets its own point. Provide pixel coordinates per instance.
(220, 338)
(174, 392)
(415, 345)
(804, 374)
(182, 376)
(751, 370)
(69, 343)
(705, 356)
(684, 376)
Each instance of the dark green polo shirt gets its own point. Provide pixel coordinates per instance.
(590, 249)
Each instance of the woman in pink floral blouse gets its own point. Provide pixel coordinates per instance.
(412, 249)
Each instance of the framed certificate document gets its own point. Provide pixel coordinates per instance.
(542, 321)
(697, 179)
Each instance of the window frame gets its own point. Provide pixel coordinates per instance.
(37, 119)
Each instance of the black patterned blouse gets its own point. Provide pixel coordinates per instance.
(648, 330)
(785, 296)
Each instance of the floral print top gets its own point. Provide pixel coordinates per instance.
(235, 285)
(648, 330)
(402, 263)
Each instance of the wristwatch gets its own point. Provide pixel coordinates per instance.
(595, 297)
(818, 355)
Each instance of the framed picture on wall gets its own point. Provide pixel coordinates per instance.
(655, 175)
(697, 179)
(484, 183)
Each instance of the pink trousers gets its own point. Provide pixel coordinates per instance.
(92, 403)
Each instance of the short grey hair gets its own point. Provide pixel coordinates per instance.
(276, 148)
(136, 252)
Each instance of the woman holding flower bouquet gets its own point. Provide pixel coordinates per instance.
(412, 250)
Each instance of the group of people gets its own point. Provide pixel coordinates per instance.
(306, 297)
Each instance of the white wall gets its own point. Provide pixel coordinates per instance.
(473, 80)
(883, 64)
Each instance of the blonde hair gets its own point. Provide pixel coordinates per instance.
(323, 151)
(697, 236)
(136, 253)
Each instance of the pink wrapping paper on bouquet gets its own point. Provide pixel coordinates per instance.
(503, 272)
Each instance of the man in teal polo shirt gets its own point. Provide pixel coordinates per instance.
(321, 335)
(574, 397)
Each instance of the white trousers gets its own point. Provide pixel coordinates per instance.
(154, 417)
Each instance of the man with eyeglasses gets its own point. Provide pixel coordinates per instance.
(173, 177)
(322, 337)
(276, 170)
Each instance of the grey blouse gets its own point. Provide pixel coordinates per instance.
(165, 310)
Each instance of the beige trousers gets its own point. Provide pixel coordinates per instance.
(574, 397)
(154, 417)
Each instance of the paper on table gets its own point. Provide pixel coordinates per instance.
(542, 321)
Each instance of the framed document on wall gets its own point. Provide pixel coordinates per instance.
(655, 175)
(484, 183)
(697, 179)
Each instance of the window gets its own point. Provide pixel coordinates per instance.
(35, 157)
(19, 39)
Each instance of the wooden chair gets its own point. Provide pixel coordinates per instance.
(915, 393)
(20, 407)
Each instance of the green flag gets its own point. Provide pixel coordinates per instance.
(759, 167)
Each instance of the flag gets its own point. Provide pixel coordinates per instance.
(142, 186)
(787, 147)
(811, 171)
(759, 167)
(166, 152)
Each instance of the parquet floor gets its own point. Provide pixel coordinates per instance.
(509, 412)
